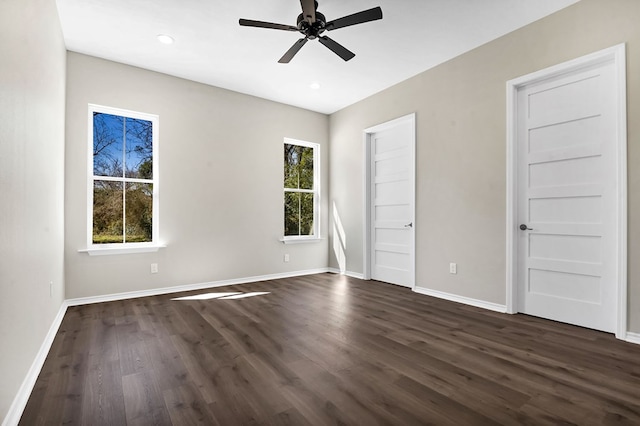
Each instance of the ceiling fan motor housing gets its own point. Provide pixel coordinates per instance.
(314, 30)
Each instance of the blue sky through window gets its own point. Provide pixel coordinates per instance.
(122, 146)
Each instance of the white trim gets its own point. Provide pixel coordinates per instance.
(366, 222)
(366, 208)
(109, 249)
(512, 200)
(22, 397)
(347, 273)
(461, 299)
(190, 287)
(632, 338)
(617, 55)
(622, 231)
(300, 240)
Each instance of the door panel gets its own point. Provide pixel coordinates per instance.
(566, 185)
(563, 135)
(392, 203)
(570, 100)
(570, 286)
(572, 248)
(561, 210)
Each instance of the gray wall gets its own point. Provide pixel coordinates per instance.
(461, 140)
(221, 171)
(32, 91)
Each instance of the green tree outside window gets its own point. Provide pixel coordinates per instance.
(299, 190)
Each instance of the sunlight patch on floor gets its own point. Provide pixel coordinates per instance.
(245, 295)
(222, 296)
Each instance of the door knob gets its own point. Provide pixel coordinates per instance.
(524, 227)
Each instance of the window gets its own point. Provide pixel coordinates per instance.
(301, 190)
(123, 184)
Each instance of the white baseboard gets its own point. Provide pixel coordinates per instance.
(633, 338)
(461, 299)
(347, 273)
(22, 397)
(189, 287)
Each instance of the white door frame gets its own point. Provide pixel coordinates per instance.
(615, 54)
(366, 222)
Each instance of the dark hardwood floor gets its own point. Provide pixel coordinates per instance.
(327, 349)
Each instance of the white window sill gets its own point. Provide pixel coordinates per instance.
(111, 249)
(300, 240)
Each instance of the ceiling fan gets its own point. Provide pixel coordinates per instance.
(312, 24)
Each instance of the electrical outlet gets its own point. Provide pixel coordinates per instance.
(154, 268)
(286, 257)
(453, 268)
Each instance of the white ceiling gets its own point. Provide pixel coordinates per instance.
(212, 48)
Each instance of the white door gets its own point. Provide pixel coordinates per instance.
(392, 194)
(567, 187)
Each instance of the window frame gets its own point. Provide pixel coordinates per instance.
(124, 247)
(316, 194)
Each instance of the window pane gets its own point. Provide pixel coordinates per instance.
(306, 168)
(306, 214)
(298, 167)
(290, 166)
(107, 212)
(291, 213)
(139, 215)
(107, 144)
(139, 149)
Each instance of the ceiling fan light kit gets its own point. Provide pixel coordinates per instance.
(312, 24)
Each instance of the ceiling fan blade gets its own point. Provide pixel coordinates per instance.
(262, 24)
(357, 18)
(287, 57)
(337, 48)
(309, 10)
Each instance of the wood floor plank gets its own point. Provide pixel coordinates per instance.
(201, 368)
(327, 349)
(290, 417)
(168, 366)
(392, 405)
(186, 407)
(132, 348)
(75, 389)
(103, 399)
(143, 403)
(331, 387)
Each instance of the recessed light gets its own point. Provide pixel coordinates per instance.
(315, 85)
(165, 39)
